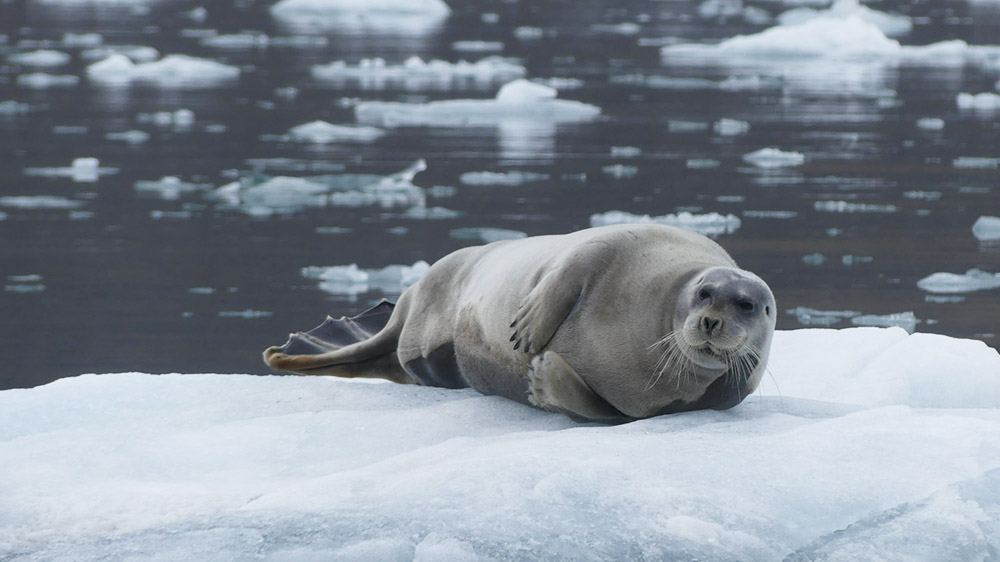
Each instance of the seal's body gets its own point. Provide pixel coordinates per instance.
(611, 323)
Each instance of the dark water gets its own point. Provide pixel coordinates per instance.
(107, 286)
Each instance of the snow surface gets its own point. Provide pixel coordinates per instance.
(880, 446)
(519, 101)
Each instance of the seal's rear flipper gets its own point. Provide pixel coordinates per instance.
(343, 347)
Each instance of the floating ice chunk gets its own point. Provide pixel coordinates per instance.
(769, 214)
(43, 81)
(625, 28)
(625, 152)
(971, 280)
(976, 162)
(921, 195)
(701, 163)
(711, 224)
(890, 24)
(247, 314)
(180, 118)
(352, 280)
(24, 287)
(131, 137)
(620, 171)
(262, 196)
(321, 132)
(39, 202)
(432, 213)
(812, 317)
(486, 234)
(169, 187)
(986, 228)
(477, 46)
(519, 101)
(172, 71)
(369, 8)
(774, 158)
(511, 178)
(985, 101)
(71, 39)
(930, 123)
(720, 8)
(136, 53)
(81, 170)
(237, 41)
(12, 107)
(414, 73)
(42, 57)
(847, 207)
(730, 127)
(904, 320)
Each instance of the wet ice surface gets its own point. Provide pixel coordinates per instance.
(285, 144)
(879, 445)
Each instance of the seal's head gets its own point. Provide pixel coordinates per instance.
(725, 315)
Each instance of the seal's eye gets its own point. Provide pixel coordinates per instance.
(746, 306)
(704, 294)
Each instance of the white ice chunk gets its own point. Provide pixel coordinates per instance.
(42, 57)
(12, 107)
(987, 228)
(813, 317)
(136, 53)
(486, 234)
(985, 101)
(131, 137)
(416, 74)
(730, 127)
(774, 158)
(710, 224)
(43, 81)
(85, 169)
(237, 41)
(905, 320)
(930, 123)
(71, 39)
(976, 162)
(520, 101)
(477, 46)
(351, 280)
(169, 187)
(369, 8)
(247, 314)
(39, 202)
(172, 71)
(848, 207)
(511, 178)
(890, 24)
(971, 280)
(321, 132)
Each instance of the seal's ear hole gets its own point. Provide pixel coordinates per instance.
(767, 310)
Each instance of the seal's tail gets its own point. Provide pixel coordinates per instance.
(359, 346)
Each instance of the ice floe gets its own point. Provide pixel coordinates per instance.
(710, 224)
(416, 74)
(730, 127)
(774, 158)
(890, 24)
(13, 107)
(976, 162)
(470, 46)
(986, 228)
(863, 443)
(260, 195)
(40, 202)
(350, 280)
(247, 314)
(24, 284)
(135, 53)
(169, 187)
(237, 41)
(971, 280)
(321, 132)
(813, 317)
(511, 178)
(131, 137)
(519, 101)
(172, 71)
(41, 57)
(827, 37)
(83, 169)
(985, 101)
(44, 81)
(930, 123)
(408, 17)
(486, 234)
(849, 207)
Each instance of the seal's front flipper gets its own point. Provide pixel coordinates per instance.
(554, 385)
(359, 346)
(544, 310)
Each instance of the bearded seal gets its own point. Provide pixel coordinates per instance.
(605, 324)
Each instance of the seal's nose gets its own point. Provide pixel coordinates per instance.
(710, 324)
